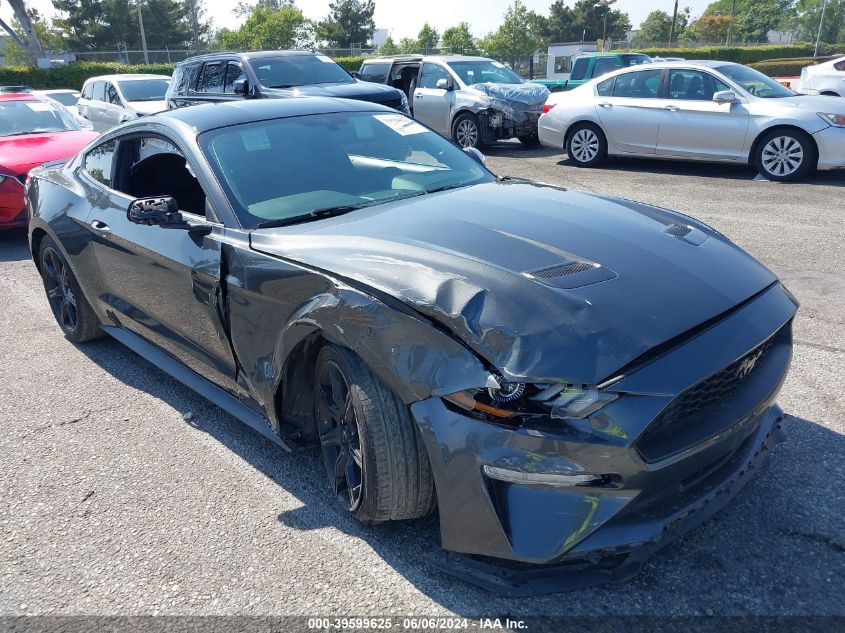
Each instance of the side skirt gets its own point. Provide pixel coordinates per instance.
(191, 379)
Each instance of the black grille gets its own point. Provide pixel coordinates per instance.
(678, 230)
(691, 407)
(562, 270)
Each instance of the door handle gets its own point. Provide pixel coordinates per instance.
(605, 104)
(101, 227)
(671, 108)
(418, 96)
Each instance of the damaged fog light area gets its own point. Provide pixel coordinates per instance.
(565, 480)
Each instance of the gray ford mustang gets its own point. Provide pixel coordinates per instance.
(569, 379)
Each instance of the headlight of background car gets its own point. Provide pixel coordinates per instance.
(504, 400)
(836, 120)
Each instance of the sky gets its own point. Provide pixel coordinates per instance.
(405, 17)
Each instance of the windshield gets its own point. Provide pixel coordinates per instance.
(755, 82)
(30, 117)
(285, 170)
(298, 70)
(635, 60)
(65, 98)
(485, 71)
(144, 89)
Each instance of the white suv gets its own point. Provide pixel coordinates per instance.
(110, 100)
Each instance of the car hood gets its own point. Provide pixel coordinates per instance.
(526, 95)
(19, 154)
(810, 103)
(360, 90)
(148, 107)
(545, 284)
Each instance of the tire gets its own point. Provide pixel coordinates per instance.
(466, 131)
(70, 308)
(586, 145)
(785, 155)
(374, 457)
(530, 140)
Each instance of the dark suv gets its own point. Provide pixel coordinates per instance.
(272, 75)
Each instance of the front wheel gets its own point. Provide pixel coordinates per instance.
(466, 132)
(785, 155)
(586, 145)
(375, 460)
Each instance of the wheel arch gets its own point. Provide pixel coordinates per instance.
(784, 127)
(36, 237)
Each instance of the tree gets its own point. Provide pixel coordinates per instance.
(408, 45)
(809, 15)
(753, 19)
(349, 23)
(583, 22)
(26, 36)
(388, 47)
(268, 28)
(427, 38)
(49, 38)
(459, 39)
(711, 28)
(655, 28)
(516, 39)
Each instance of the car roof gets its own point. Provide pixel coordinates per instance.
(246, 55)
(125, 77)
(216, 115)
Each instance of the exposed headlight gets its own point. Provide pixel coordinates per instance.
(836, 120)
(577, 403)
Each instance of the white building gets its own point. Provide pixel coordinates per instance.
(379, 37)
(561, 55)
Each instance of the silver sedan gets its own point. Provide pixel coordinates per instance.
(703, 111)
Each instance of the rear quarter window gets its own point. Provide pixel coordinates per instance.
(375, 72)
(579, 70)
(98, 162)
(605, 88)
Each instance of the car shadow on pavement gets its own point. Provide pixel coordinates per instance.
(14, 246)
(776, 549)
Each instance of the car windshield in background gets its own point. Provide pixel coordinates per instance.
(65, 98)
(635, 60)
(479, 72)
(755, 82)
(143, 89)
(31, 117)
(295, 169)
(289, 71)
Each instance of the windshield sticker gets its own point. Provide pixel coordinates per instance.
(40, 107)
(323, 58)
(255, 140)
(401, 124)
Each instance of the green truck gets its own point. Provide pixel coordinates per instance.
(587, 67)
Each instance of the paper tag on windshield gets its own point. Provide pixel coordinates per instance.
(401, 124)
(323, 58)
(255, 140)
(37, 106)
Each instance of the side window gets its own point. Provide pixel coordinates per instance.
(375, 72)
(579, 70)
(98, 162)
(840, 66)
(605, 88)
(211, 79)
(643, 84)
(563, 64)
(111, 94)
(99, 91)
(693, 85)
(88, 91)
(431, 74)
(234, 73)
(604, 65)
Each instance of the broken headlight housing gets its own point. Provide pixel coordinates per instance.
(504, 400)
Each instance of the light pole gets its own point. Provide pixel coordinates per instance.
(821, 25)
(143, 35)
(674, 22)
(606, 4)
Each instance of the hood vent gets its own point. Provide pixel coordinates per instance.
(678, 230)
(562, 270)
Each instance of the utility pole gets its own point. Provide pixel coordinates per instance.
(731, 24)
(674, 22)
(143, 35)
(821, 25)
(606, 4)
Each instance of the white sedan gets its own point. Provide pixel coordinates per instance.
(701, 111)
(826, 79)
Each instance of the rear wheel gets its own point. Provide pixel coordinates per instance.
(72, 311)
(375, 461)
(466, 131)
(586, 145)
(785, 155)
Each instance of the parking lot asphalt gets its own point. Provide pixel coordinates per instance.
(112, 501)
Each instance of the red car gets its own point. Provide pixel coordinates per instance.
(33, 131)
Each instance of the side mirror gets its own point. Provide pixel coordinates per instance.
(241, 87)
(444, 84)
(164, 212)
(355, 74)
(725, 96)
(476, 155)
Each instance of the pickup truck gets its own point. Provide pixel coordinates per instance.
(590, 66)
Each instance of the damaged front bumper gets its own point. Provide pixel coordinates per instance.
(559, 504)
(497, 126)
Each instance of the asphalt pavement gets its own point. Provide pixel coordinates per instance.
(114, 501)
